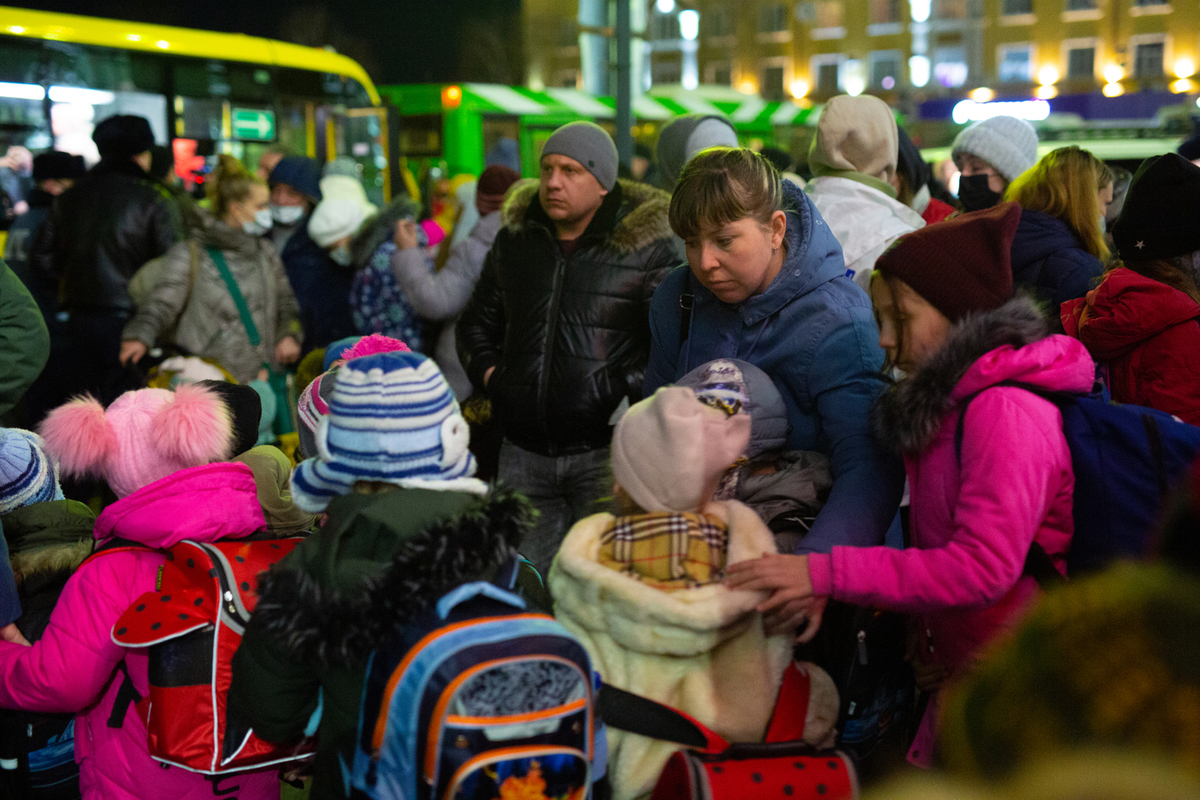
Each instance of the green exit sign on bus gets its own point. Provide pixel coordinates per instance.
(253, 124)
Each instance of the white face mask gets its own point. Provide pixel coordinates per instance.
(260, 224)
(287, 215)
(341, 255)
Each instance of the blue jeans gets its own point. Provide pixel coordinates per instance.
(564, 490)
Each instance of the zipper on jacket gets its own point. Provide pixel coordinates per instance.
(560, 267)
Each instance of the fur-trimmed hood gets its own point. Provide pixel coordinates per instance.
(1010, 343)
(314, 620)
(380, 228)
(46, 539)
(632, 217)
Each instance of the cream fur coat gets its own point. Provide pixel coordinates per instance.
(701, 651)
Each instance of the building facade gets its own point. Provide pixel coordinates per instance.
(922, 56)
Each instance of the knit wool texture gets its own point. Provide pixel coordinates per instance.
(684, 137)
(1159, 219)
(961, 265)
(590, 145)
(855, 134)
(669, 450)
(1007, 143)
(336, 218)
(26, 474)
(300, 173)
(392, 417)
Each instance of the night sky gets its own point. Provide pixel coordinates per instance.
(397, 41)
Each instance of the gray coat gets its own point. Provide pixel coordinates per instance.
(190, 297)
(442, 295)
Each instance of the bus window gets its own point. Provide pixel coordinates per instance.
(421, 135)
(498, 128)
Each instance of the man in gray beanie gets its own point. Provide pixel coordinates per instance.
(991, 154)
(557, 330)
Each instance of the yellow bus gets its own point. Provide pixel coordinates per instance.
(203, 92)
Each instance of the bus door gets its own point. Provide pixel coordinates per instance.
(369, 137)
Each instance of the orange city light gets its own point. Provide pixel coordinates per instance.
(451, 97)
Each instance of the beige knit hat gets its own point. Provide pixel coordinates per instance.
(669, 450)
(855, 134)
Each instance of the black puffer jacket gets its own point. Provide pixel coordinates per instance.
(569, 337)
(100, 232)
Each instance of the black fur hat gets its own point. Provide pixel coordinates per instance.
(123, 136)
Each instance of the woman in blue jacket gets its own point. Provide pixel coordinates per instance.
(766, 283)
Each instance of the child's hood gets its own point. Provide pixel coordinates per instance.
(203, 504)
(639, 617)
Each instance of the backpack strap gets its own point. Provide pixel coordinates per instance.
(234, 292)
(1038, 564)
(631, 712)
(127, 696)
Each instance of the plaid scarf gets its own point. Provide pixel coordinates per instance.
(667, 550)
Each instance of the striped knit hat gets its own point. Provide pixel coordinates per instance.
(393, 419)
(27, 476)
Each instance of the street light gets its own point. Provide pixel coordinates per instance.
(664, 6)
(1185, 68)
(1113, 73)
(918, 70)
(689, 24)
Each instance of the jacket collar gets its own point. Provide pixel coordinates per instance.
(909, 415)
(205, 503)
(631, 217)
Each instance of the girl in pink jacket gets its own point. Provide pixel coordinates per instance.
(155, 449)
(942, 301)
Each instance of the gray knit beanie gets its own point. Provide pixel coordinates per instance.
(684, 137)
(590, 145)
(1007, 143)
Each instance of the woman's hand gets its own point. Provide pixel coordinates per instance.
(287, 351)
(131, 351)
(405, 237)
(791, 604)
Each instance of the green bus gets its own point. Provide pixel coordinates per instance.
(459, 124)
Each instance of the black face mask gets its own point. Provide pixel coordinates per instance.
(975, 194)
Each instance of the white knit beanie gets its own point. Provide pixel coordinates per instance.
(1007, 143)
(669, 450)
(335, 218)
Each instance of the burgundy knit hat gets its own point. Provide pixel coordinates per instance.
(961, 265)
(494, 182)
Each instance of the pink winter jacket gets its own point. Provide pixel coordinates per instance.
(972, 526)
(73, 668)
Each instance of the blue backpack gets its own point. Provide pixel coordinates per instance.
(474, 695)
(1127, 459)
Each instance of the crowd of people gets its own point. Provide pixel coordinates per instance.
(704, 415)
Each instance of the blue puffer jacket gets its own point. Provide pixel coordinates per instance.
(813, 332)
(1048, 259)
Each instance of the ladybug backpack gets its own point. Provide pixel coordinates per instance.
(783, 767)
(192, 623)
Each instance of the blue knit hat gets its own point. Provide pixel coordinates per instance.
(27, 476)
(393, 419)
(300, 173)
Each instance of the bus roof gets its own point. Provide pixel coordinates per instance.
(494, 98)
(179, 41)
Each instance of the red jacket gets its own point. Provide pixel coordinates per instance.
(1148, 335)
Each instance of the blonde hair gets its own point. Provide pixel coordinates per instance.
(1066, 184)
(721, 185)
(229, 183)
